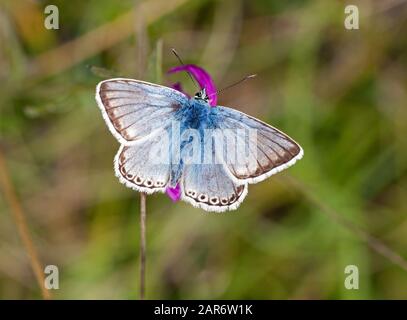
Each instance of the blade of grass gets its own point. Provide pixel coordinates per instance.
(21, 223)
(374, 243)
(143, 211)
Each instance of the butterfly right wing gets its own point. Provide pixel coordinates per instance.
(134, 109)
(259, 152)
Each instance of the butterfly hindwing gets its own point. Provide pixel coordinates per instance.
(134, 109)
(267, 150)
(135, 166)
(208, 186)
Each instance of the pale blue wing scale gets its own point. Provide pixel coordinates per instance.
(135, 109)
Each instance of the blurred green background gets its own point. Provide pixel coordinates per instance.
(340, 93)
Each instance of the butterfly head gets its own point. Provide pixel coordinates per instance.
(202, 95)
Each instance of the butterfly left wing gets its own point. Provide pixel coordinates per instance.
(210, 187)
(134, 109)
(261, 152)
(139, 167)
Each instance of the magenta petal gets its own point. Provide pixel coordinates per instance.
(174, 193)
(177, 86)
(203, 78)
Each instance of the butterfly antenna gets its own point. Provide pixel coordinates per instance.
(182, 63)
(251, 76)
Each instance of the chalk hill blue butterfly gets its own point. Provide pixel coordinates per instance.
(139, 114)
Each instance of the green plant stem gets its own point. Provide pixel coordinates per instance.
(143, 211)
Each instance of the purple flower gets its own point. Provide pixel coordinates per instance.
(177, 86)
(174, 193)
(205, 81)
(202, 77)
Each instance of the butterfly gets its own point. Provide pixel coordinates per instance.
(141, 116)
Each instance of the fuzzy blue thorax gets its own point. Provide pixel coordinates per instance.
(194, 115)
(197, 114)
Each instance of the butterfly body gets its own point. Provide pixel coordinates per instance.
(212, 152)
(196, 114)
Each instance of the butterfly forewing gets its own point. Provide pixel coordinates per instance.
(135, 109)
(260, 151)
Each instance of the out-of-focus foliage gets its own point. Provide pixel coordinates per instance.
(341, 94)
